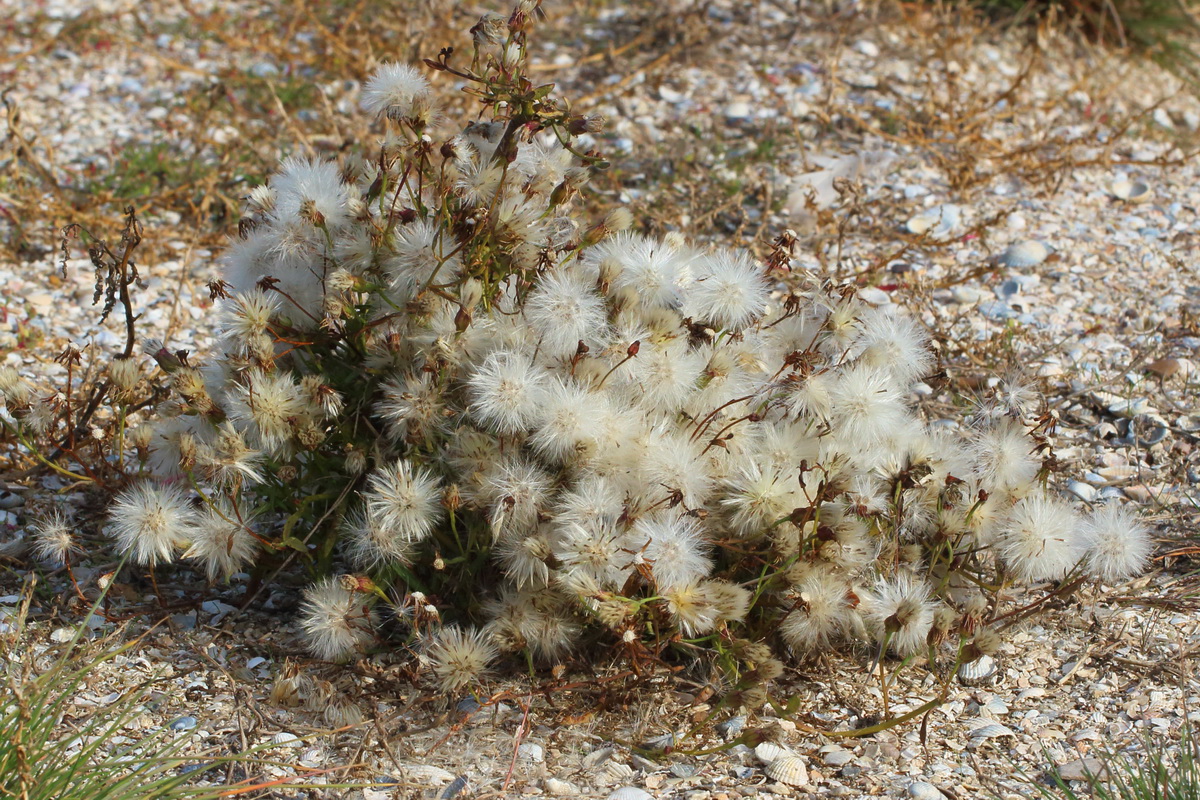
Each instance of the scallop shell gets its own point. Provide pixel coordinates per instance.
(986, 729)
(769, 751)
(630, 793)
(1131, 191)
(1025, 254)
(936, 221)
(285, 739)
(978, 672)
(789, 769)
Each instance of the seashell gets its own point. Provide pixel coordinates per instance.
(532, 751)
(680, 770)
(1131, 191)
(790, 770)
(1083, 491)
(769, 751)
(426, 773)
(1117, 473)
(978, 672)
(617, 771)
(1130, 408)
(1024, 254)
(560, 788)
(936, 221)
(629, 793)
(456, 786)
(183, 724)
(731, 727)
(597, 757)
(986, 729)
(1148, 429)
(285, 739)
(659, 742)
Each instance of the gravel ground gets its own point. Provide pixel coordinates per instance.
(1039, 213)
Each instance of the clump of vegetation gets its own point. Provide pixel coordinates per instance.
(525, 434)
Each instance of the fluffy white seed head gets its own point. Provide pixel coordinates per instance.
(1003, 456)
(900, 610)
(53, 539)
(404, 501)
(821, 612)
(674, 547)
(151, 522)
(894, 342)
(395, 91)
(564, 310)
(728, 291)
(508, 392)
(336, 620)
(221, 539)
(1117, 544)
(459, 658)
(867, 406)
(1041, 539)
(310, 192)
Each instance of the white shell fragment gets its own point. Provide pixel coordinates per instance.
(285, 739)
(790, 770)
(978, 672)
(1131, 191)
(936, 221)
(1024, 254)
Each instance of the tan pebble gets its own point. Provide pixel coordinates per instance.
(1164, 367)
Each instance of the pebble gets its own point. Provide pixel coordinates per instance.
(920, 790)
(1025, 254)
(837, 758)
(1080, 769)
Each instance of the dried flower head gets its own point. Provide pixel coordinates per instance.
(459, 657)
(336, 620)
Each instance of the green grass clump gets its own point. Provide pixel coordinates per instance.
(1155, 777)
